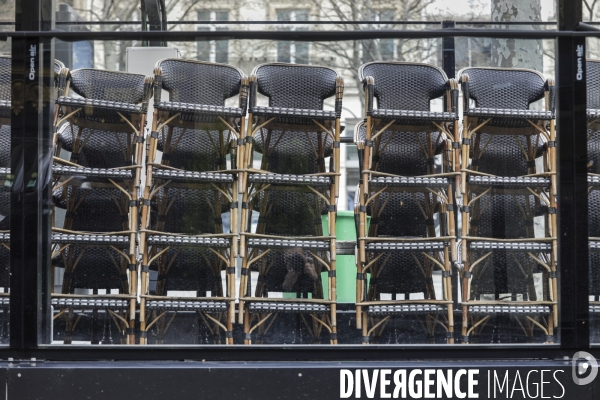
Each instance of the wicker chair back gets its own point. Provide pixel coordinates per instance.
(295, 86)
(189, 81)
(108, 85)
(504, 88)
(5, 78)
(593, 84)
(405, 86)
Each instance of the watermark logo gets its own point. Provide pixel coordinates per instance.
(584, 368)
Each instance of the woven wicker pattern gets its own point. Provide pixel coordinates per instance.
(193, 149)
(5, 78)
(593, 83)
(594, 213)
(309, 114)
(504, 95)
(400, 273)
(403, 153)
(409, 117)
(594, 285)
(291, 214)
(58, 65)
(191, 305)
(95, 268)
(425, 309)
(289, 308)
(502, 218)
(199, 83)
(295, 86)
(278, 263)
(401, 215)
(4, 267)
(5, 146)
(504, 88)
(108, 85)
(405, 86)
(186, 211)
(188, 269)
(510, 309)
(593, 146)
(500, 274)
(199, 112)
(103, 149)
(290, 152)
(86, 303)
(98, 209)
(99, 104)
(502, 155)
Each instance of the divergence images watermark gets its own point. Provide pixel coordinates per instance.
(466, 383)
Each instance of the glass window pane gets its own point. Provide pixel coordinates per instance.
(394, 283)
(204, 47)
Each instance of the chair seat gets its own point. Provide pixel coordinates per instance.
(510, 246)
(593, 246)
(591, 180)
(509, 309)
(92, 173)
(4, 108)
(91, 303)
(410, 181)
(4, 172)
(90, 104)
(82, 239)
(288, 243)
(406, 309)
(378, 247)
(187, 305)
(413, 117)
(287, 179)
(509, 113)
(270, 112)
(184, 240)
(192, 176)
(591, 113)
(199, 112)
(285, 307)
(509, 182)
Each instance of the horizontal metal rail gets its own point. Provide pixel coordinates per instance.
(303, 23)
(308, 36)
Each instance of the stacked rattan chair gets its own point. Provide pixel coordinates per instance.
(508, 183)
(5, 132)
(291, 190)
(408, 158)
(188, 188)
(593, 150)
(100, 122)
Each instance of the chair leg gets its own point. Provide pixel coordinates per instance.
(365, 328)
(246, 326)
(107, 332)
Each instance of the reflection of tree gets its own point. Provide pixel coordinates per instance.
(349, 56)
(129, 10)
(523, 53)
(591, 10)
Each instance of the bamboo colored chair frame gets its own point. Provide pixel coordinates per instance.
(102, 115)
(405, 113)
(537, 127)
(204, 113)
(295, 107)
